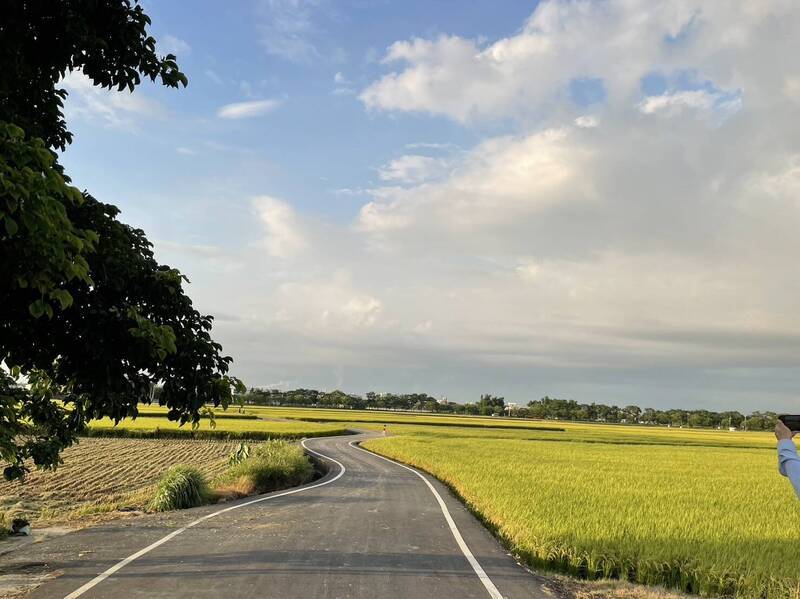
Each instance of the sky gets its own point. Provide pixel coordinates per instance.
(595, 200)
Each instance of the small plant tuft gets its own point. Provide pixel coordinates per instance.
(181, 487)
(270, 466)
(240, 454)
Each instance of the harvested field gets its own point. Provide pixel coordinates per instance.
(102, 474)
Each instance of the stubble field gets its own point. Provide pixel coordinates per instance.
(101, 475)
(117, 466)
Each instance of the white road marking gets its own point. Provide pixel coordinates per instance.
(484, 578)
(101, 577)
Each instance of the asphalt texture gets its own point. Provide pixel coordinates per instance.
(376, 531)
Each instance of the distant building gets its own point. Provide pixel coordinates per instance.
(443, 401)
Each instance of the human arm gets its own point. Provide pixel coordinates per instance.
(788, 460)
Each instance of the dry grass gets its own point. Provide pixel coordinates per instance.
(234, 489)
(608, 589)
(101, 475)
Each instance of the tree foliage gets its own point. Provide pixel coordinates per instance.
(42, 41)
(89, 320)
(42, 247)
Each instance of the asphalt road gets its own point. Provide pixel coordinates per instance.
(375, 530)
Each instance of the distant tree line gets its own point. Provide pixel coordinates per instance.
(546, 408)
(569, 409)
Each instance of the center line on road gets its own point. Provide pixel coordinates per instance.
(119, 565)
(482, 575)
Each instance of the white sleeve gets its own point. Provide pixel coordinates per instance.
(789, 463)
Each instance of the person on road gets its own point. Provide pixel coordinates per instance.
(788, 460)
(384, 429)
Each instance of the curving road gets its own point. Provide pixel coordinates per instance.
(370, 528)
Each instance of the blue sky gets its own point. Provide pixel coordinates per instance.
(316, 141)
(590, 200)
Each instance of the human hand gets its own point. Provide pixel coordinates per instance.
(782, 431)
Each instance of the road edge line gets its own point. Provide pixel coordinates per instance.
(494, 593)
(122, 563)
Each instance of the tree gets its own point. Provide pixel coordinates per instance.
(649, 416)
(632, 413)
(489, 404)
(89, 320)
(41, 41)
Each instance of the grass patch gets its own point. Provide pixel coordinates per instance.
(136, 501)
(270, 466)
(181, 487)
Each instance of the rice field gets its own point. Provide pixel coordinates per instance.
(105, 474)
(694, 514)
(545, 430)
(226, 428)
(701, 511)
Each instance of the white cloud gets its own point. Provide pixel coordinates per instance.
(246, 110)
(425, 145)
(117, 109)
(791, 88)
(211, 74)
(586, 122)
(529, 270)
(675, 103)
(170, 44)
(343, 85)
(529, 72)
(363, 311)
(497, 182)
(412, 168)
(423, 328)
(702, 102)
(186, 151)
(636, 254)
(212, 257)
(290, 30)
(283, 237)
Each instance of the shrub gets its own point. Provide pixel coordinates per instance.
(270, 466)
(181, 487)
